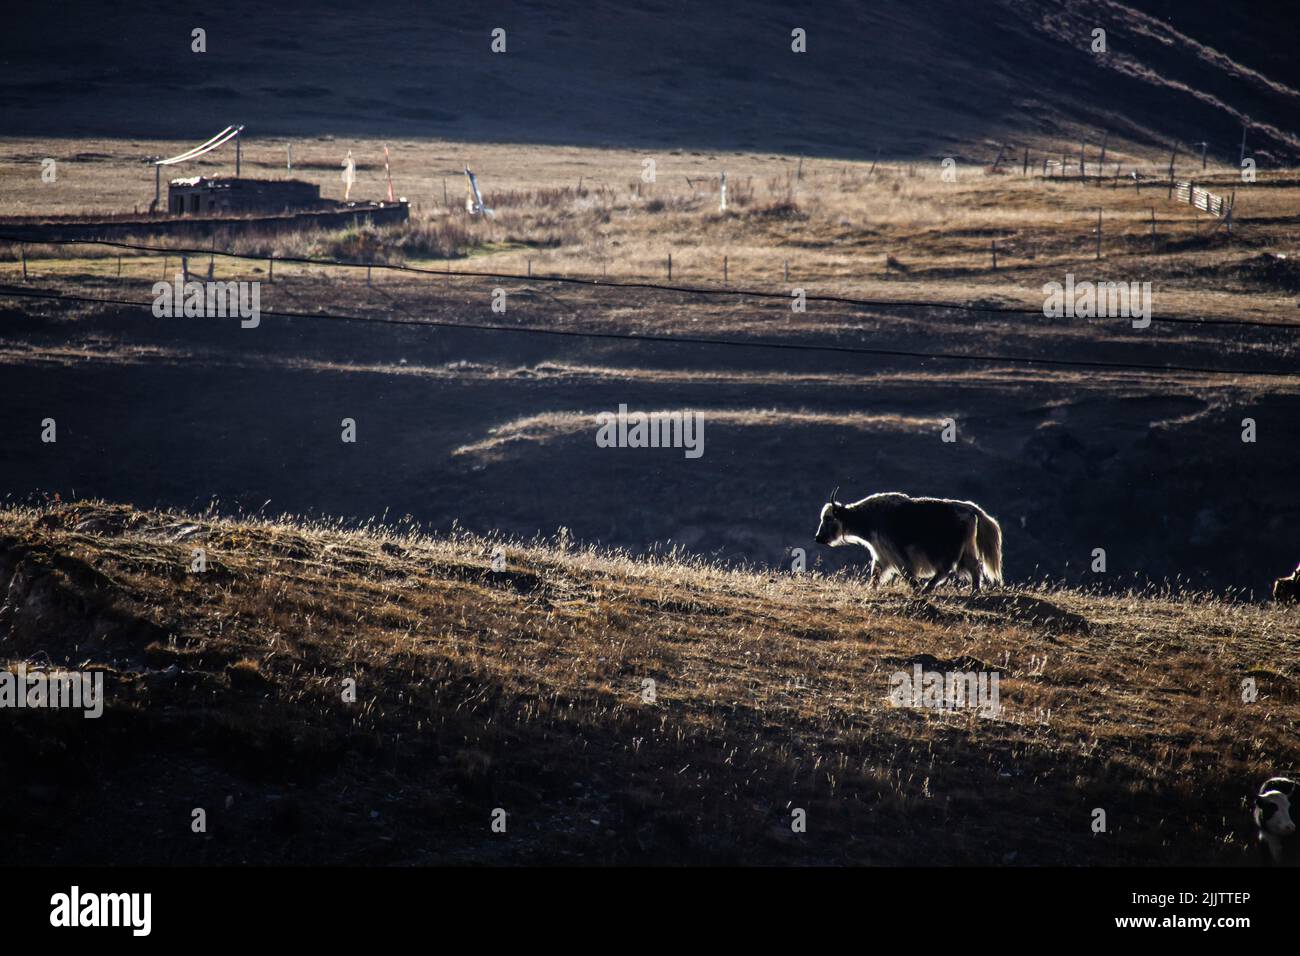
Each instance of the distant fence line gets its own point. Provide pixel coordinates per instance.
(1183, 192)
(794, 346)
(603, 283)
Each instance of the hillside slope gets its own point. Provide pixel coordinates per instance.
(524, 689)
(905, 78)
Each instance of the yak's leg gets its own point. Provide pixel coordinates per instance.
(939, 578)
(971, 565)
(931, 584)
(969, 557)
(874, 575)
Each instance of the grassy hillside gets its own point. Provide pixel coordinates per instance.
(524, 689)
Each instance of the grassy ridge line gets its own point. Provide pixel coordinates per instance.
(522, 689)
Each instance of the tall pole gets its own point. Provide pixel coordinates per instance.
(157, 186)
(1242, 158)
(237, 139)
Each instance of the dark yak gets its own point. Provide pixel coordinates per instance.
(916, 538)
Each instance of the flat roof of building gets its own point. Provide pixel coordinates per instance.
(227, 181)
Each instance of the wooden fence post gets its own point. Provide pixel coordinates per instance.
(994, 247)
(670, 267)
(724, 270)
(23, 247)
(1153, 228)
(787, 270)
(1172, 155)
(1098, 233)
(1024, 170)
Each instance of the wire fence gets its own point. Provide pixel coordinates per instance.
(968, 357)
(728, 291)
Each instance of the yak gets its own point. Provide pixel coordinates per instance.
(915, 538)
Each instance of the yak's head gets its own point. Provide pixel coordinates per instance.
(1273, 814)
(830, 530)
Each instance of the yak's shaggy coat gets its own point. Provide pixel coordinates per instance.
(1287, 590)
(918, 538)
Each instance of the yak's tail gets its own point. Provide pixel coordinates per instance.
(988, 539)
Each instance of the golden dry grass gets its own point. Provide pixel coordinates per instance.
(897, 231)
(548, 426)
(523, 688)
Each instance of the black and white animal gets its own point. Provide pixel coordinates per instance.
(1273, 809)
(917, 538)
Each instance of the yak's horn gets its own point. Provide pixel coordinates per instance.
(835, 494)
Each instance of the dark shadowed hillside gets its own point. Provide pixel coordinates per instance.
(901, 77)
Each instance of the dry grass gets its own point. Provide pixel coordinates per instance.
(523, 689)
(549, 426)
(895, 231)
